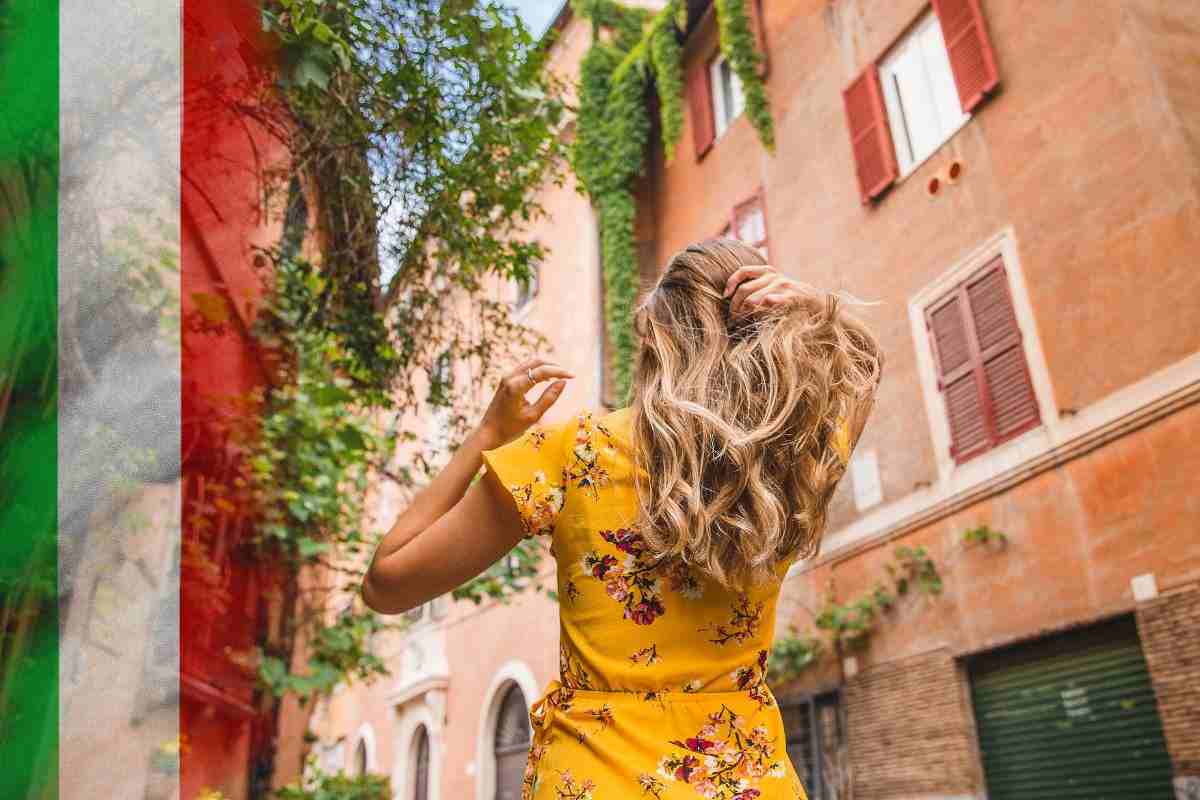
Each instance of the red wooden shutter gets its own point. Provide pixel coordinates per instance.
(1009, 389)
(870, 137)
(971, 56)
(958, 379)
(981, 365)
(759, 29)
(700, 106)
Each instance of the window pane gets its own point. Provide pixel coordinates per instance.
(921, 114)
(421, 768)
(752, 228)
(511, 744)
(728, 101)
(360, 758)
(737, 98)
(797, 723)
(920, 94)
(716, 81)
(892, 75)
(948, 107)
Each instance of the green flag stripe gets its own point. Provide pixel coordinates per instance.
(29, 95)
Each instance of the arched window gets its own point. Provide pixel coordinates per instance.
(512, 744)
(421, 764)
(360, 758)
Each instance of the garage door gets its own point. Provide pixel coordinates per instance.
(1071, 716)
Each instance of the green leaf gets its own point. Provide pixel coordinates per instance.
(310, 70)
(311, 548)
(352, 438)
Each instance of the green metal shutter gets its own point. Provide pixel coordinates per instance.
(1071, 716)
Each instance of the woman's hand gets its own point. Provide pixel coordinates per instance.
(510, 414)
(761, 286)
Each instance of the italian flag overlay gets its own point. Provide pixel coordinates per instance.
(128, 222)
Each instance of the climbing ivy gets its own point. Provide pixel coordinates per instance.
(849, 625)
(740, 49)
(632, 51)
(842, 626)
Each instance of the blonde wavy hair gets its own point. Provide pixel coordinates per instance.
(733, 418)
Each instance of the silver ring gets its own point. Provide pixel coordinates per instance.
(529, 372)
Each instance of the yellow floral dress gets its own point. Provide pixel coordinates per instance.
(661, 690)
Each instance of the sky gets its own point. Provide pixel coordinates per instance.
(538, 14)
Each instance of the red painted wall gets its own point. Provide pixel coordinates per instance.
(222, 596)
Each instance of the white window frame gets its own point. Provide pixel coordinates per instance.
(920, 94)
(1021, 447)
(724, 117)
(515, 671)
(365, 736)
(422, 710)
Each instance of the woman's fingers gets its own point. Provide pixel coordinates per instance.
(546, 399)
(539, 369)
(751, 288)
(546, 372)
(768, 296)
(742, 273)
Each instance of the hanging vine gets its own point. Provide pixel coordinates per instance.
(632, 47)
(849, 626)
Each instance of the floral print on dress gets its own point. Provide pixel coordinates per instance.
(585, 470)
(531, 778)
(651, 785)
(570, 789)
(744, 619)
(602, 715)
(570, 671)
(637, 582)
(539, 503)
(647, 655)
(753, 680)
(726, 758)
(571, 591)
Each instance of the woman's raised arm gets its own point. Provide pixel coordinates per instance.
(453, 530)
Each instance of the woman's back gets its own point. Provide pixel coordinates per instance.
(661, 666)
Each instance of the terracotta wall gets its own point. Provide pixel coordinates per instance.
(1088, 156)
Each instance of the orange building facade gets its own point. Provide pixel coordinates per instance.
(1018, 186)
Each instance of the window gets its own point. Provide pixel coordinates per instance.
(923, 108)
(511, 746)
(982, 371)
(360, 758)
(714, 92)
(728, 101)
(901, 109)
(816, 740)
(748, 223)
(421, 764)
(527, 290)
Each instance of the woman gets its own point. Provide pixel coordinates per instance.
(672, 521)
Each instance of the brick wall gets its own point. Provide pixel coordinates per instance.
(1170, 630)
(909, 730)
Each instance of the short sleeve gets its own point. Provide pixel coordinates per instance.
(531, 469)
